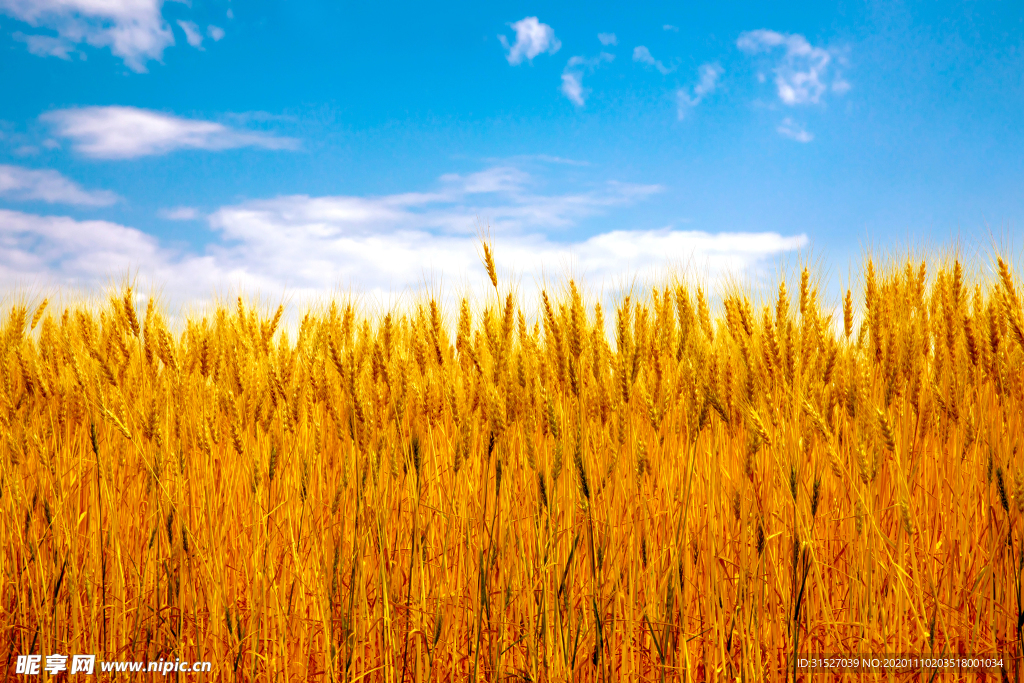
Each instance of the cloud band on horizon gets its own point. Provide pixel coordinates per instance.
(383, 245)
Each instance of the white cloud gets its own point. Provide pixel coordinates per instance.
(572, 87)
(46, 46)
(192, 33)
(532, 38)
(670, 27)
(377, 246)
(572, 76)
(643, 55)
(507, 179)
(607, 38)
(647, 252)
(544, 159)
(127, 132)
(26, 184)
(794, 131)
(215, 32)
(310, 244)
(547, 158)
(134, 30)
(800, 74)
(180, 213)
(56, 251)
(499, 195)
(708, 75)
(51, 251)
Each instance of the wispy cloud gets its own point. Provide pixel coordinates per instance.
(528, 159)
(61, 251)
(708, 75)
(670, 27)
(180, 213)
(794, 131)
(215, 32)
(572, 87)
(572, 76)
(801, 73)
(25, 184)
(501, 195)
(127, 132)
(608, 39)
(46, 46)
(504, 179)
(547, 158)
(134, 30)
(377, 246)
(643, 55)
(532, 39)
(312, 243)
(193, 34)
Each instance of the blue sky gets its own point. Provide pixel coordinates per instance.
(299, 147)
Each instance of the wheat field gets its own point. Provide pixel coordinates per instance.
(724, 480)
